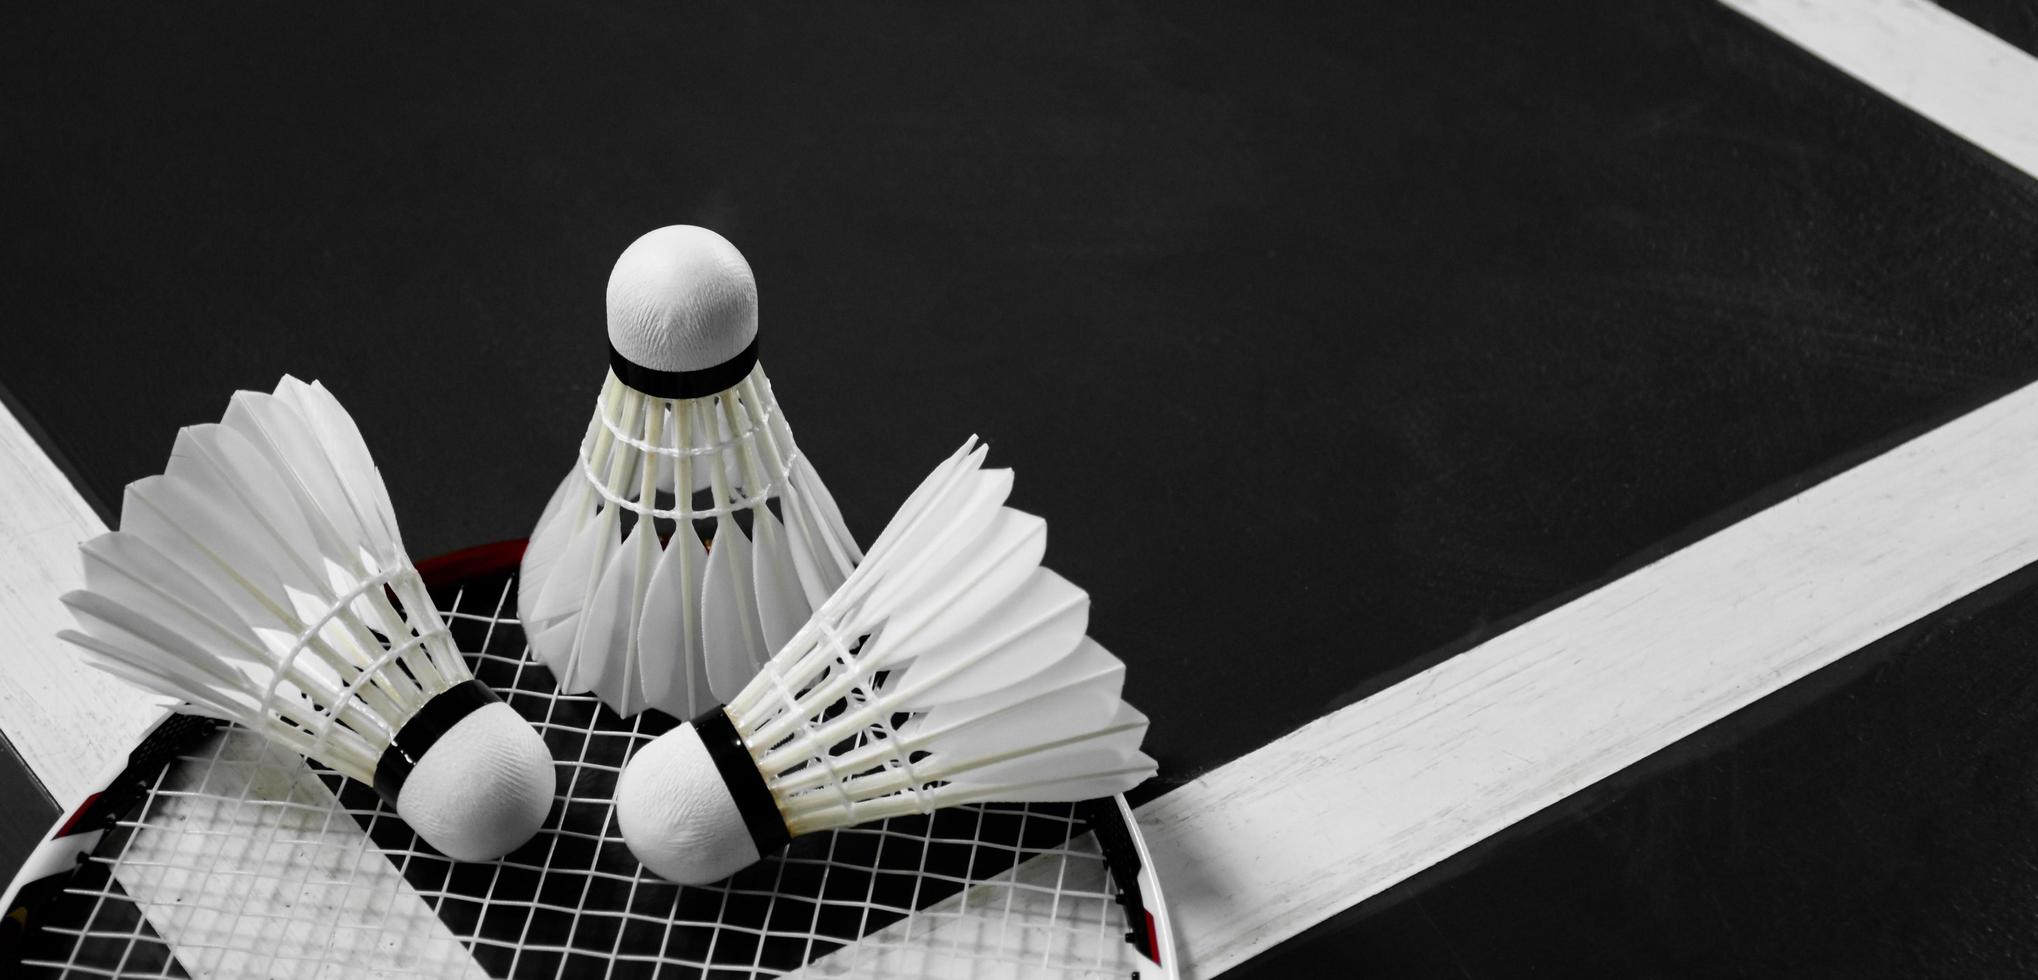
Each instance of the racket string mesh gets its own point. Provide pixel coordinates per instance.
(245, 861)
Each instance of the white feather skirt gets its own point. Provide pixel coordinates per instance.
(688, 544)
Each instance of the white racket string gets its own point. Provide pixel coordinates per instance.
(242, 860)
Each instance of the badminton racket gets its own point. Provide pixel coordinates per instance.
(211, 853)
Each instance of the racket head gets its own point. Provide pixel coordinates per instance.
(210, 852)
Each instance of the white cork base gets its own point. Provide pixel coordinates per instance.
(482, 789)
(681, 298)
(676, 814)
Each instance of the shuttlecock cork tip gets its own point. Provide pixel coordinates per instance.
(483, 787)
(682, 301)
(677, 814)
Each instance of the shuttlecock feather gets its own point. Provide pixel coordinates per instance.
(659, 574)
(949, 668)
(261, 578)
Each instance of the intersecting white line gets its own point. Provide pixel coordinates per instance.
(1953, 73)
(1276, 841)
(1366, 796)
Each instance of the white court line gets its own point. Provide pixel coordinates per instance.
(1343, 808)
(1953, 73)
(67, 720)
(1364, 797)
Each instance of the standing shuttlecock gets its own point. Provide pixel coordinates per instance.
(260, 578)
(950, 668)
(652, 596)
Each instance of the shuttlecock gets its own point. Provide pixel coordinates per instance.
(659, 574)
(950, 668)
(261, 579)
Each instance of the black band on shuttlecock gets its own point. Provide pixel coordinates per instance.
(423, 730)
(684, 384)
(745, 783)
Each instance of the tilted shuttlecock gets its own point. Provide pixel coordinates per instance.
(655, 597)
(950, 668)
(261, 579)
